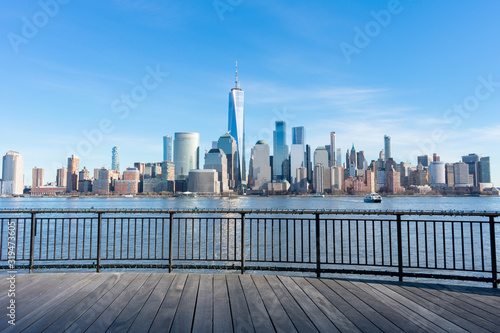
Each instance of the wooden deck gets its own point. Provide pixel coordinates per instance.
(156, 302)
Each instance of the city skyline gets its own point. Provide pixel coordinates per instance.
(314, 65)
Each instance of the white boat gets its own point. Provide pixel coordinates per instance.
(373, 197)
(318, 196)
(128, 196)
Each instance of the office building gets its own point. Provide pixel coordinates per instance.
(217, 160)
(461, 175)
(484, 170)
(298, 136)
(333, 159)
(321, 156)
(130, 182)
(84, 182)
(309, 165)
(261, 168)
(280, 151)
(204, 181)
(37, 177)
(167, 148)
(387, 147)
(102, 185)
(186, 154)
(425, 160)
(319, 173)
(228, 145)
(338, 157)
(115, 159)
(302, 183)
(61, 177)
(450, 175)
(236, 126)
(472, 160)
(72, 176)
(12, 173)
(438, 174)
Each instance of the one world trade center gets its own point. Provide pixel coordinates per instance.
(236, 125)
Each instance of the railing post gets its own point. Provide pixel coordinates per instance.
(99, 235)
(400, 248)
(171, 243)
(32, 241)
(242, 243)
(318, 252)
(493, 252)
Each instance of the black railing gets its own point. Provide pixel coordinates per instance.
(458, 245)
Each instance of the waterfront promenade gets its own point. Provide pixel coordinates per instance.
(178, 302)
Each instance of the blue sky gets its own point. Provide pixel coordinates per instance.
(426, 74)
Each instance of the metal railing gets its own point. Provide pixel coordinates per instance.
(458, 245)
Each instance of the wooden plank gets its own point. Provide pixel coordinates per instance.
(242, 322)
(111, 312)
(407, 316)
(55, 313)
(322, 323)
(203, 317)
(148, 312)
(357, 300)
(350, 312)
(222, 310)
(184, 316)
(277, 314)
(479, 297)
(123, 322)
(85, 312)
(260, 317)
(447, 310)
(329, 309)
(165, 315)
(459, 301)
(41, 305)
(300, 320)
(416, 308)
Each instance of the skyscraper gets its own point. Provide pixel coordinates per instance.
(236, 125)
(61, 177)
(115, 159)
(72, 179)
(280, 150)
(333, 158)
(338, 157)
(261, 169)
(228, 145)
(298, 135)
(167, 148)
(186, 153)
(297, 155)
(387, 147)
(37, 177)
(12, 173)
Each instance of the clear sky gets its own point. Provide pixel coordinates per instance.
(79, 77)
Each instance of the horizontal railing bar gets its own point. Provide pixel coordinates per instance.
(256, 211)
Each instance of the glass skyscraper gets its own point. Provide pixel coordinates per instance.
(280, 149)
(236, 127)
(115, 159)
(186, 154)
(387, 147)
(167, 148)
(298, 135)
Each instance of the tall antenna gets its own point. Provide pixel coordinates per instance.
(236, 81)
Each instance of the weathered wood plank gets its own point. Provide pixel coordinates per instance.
(203, 317)
(260, 317)
(123, 322)
(350, 312)
(79, 309)
(322, 323)
(111, 312)
(242, 322)
(340, 321)
(300, 320)
(149, 310)
(445, 309)
(184, 316)
(407, 302)
(165, 315)
(277, 313)
(222, 310)
(357, 300)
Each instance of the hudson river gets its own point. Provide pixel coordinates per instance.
(278, 202)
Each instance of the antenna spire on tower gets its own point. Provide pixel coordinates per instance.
(236, 80)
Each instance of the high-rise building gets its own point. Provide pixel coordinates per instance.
(115, 159)
(261, 168)
(338, 157)
(236, 125)
(84, 182)
(425, 160)
(321, 157)
(61, 177)
(387, 147)
(319, 173)
(228, 145)
(216, 160)
(450, 175)
(186, 154)
(167, 148)
(438, 174)
(333, 157)
(72, 178)
(472, 160)
(361, 160)
(353, 158)
(309, 166)
(461, 175)
(484, 170)
(37, 177)
(12, 173)
(280, 150)
(298, 135)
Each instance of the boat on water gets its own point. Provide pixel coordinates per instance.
(128, 196)
(373, 197)
(318, 196)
